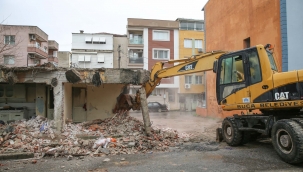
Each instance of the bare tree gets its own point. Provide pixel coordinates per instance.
(9, 41)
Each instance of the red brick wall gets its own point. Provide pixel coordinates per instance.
(160, 44)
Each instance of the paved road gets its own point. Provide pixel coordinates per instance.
(258, 156)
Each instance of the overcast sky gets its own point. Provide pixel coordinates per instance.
(60, 18)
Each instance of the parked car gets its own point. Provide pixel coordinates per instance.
(157, 107)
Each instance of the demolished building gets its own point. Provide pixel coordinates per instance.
(61, 94)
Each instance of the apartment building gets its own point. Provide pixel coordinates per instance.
(92, 50)
(191, 43)
(151, 41)
(23, 46)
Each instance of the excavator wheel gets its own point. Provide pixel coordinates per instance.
(287, 139)
(231, 133)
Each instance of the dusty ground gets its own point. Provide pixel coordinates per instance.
(199, 128)
(201, 156)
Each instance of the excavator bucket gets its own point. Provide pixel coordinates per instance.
(125, 102)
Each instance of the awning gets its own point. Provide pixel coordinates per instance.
(102, 39)
(88, 39)
(95, 39)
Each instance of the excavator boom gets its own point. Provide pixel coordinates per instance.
(185, 66)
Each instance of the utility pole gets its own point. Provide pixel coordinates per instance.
(119, 50)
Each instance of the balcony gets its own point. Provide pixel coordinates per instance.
(52, 58)
(35, 33)
(136, 60)
(136, 41)
(53, 45)
(37, 51)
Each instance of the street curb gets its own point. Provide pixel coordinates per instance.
(23, 155)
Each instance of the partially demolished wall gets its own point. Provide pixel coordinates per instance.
(56, 77)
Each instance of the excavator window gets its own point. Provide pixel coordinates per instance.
(232, 70)
(272, 61)
(254, 67)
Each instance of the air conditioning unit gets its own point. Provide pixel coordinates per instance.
(200, 50)
(187, 86)
(32, 37)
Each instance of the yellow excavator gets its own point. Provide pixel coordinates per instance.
(248, 80)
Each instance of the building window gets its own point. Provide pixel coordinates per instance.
(198, 43)
(246, 42)
(199, 26)
(188, 79)
(198, 79)
(37, 45)
(88, 40)
(6, 91)
(84, 58)
(161, 54)
(9, 39)
(9, 60)
(160, 35)
(188, 43)
(98, 40)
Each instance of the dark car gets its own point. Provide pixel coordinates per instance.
(157, 107)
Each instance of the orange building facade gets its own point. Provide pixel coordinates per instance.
(234, 25)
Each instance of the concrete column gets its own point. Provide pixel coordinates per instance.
(59, 106)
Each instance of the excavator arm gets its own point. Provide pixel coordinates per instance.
(185, 66)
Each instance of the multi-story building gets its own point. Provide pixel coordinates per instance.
(53, 47)
(191, 43)
(92, 50)
(238, 24)
(151, 41)
(23, 46)
(64, 59)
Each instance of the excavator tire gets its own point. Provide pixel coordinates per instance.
(231, 133)
(287, 139)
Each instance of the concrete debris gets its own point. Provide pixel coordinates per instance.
(106, 160)
(69, 157)
(124, 135)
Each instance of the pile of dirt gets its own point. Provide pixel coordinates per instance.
(38, 136)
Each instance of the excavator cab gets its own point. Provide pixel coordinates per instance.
(240, 78)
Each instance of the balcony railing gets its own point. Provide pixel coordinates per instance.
(136, 60)
(33, 48)
(135, 41)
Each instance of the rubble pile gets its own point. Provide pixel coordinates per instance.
(38, 136)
